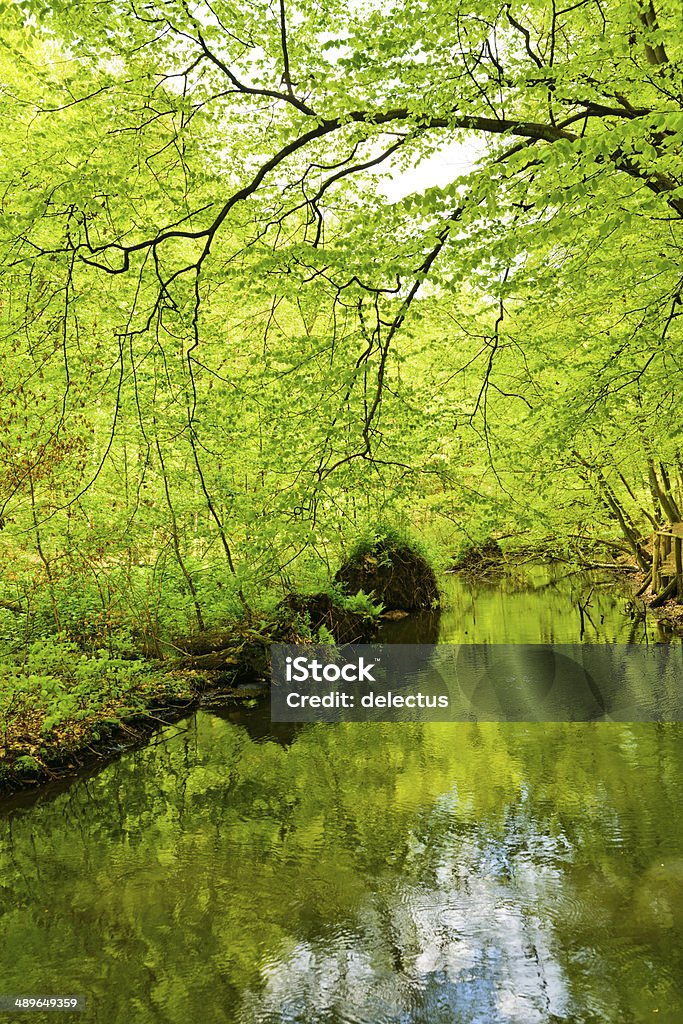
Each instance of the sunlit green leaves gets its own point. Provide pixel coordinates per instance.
(204, 267)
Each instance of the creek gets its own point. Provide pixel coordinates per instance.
(234, 872)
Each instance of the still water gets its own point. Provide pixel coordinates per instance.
(365, 873)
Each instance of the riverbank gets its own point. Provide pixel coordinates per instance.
(62, 710)
(669, 613)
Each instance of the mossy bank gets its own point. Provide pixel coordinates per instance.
(61, 708)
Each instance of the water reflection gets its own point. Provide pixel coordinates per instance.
(464, 948)
(372, 873)
(556, 607)
(414, 873)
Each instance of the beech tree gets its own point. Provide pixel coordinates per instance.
(292, 106)
(200, 252)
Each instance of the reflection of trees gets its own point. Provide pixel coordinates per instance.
(484, 613)
(509, 870)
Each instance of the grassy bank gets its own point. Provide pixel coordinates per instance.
(63, 704)
(60, 709)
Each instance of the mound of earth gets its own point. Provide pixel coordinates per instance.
(346, 626)
(391, 572)
(486, 557)
(241, 650)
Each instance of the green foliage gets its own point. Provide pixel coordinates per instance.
(233, 347)
(63, 698)
(362, 604)
(388, 535)
(27, 766)
(324, 636)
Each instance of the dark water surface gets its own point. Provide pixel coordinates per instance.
(375, 873)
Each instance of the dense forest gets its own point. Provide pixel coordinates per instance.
(236, 339)
(293, 291)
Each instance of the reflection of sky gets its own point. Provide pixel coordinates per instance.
(465, 948)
